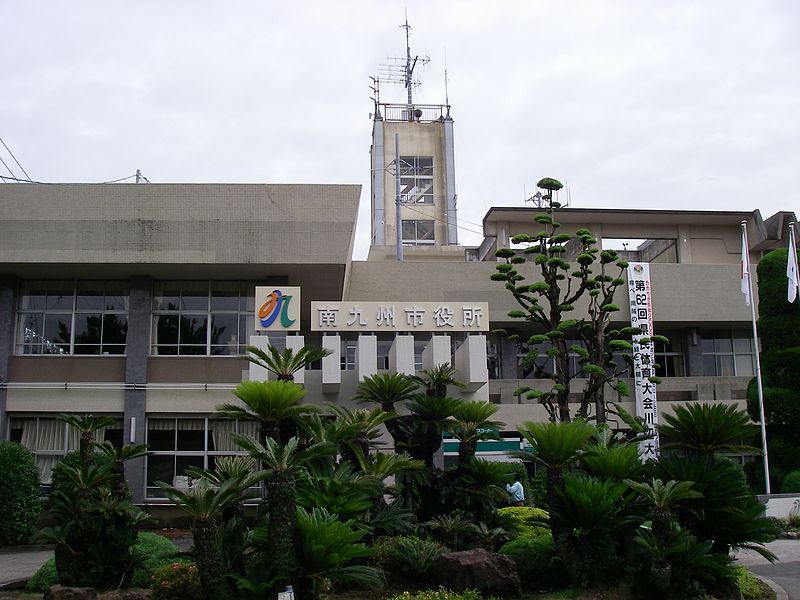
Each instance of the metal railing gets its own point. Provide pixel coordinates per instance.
(421, 113)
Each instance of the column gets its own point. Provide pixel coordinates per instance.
(470, 363)
(437, 352)
(401, 355)
(137, 351)
(7, 306)
(294, 343)
(366, 356)
(332, 364)
(256, 372)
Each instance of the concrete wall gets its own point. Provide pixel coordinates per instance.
(177, 223)
(416, 139)
(682, 294)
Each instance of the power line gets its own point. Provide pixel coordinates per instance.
(411, 208)
(15, 159)
(19, 180)
(9, 170)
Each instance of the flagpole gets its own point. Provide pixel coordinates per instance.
(746, 267)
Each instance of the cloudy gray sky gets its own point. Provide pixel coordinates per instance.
(634, 104)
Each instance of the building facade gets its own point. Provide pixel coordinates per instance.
(136, 301)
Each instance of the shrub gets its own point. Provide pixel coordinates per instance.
(526, 520)
(441, 594)
(791, 483)
(177, 581)
(59, 481)
(407, 558)
(154, 551)
(750, 586)
(19, 494)
(150, 546)
(538, 564)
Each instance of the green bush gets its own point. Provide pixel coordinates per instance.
(155, 552)
(791, 483)
(149, 546)
(407, 558)
(537, 562)
(750, 586)
(441, 594)
(19, 494)
(177, 581)
(59, 481)
(526, 520)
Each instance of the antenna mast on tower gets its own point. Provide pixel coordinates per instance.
(401, 70)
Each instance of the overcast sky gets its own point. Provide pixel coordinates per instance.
(657, 105)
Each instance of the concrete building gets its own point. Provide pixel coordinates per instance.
(136, 301)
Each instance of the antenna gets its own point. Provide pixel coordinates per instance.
(446, 96)
(401, 70)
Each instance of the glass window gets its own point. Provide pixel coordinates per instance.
(416, 179)
(49, 440)
(727, 353)
(205, 318)
(178, 444)
(418, 232)
(72, 317)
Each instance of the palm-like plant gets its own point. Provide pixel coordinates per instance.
(325, 546)
(663, 497)
(472, 423)
(616, 462)
(206, 503)
(452, 530)
(87, 425)
(436, 380)
(479, 487)
(555, 446)
(386, 389)
(424, 427)
(708, 428)
(285, 364)
(363, 423)
(282, 462)
(268, 402)
(117, 457)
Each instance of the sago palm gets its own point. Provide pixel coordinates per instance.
(386, 389)
(87, 425)
(285, 364)
(270, 403)
(436, 380)
(663, 497)
(707, 429)
(364, 423)
(118, 457)
(205, 503)
(424, 426)
(282, 462)
(472, 423)
(555, 446)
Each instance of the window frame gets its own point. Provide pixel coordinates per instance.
(416, 181)
(417, 241)
(74, 312)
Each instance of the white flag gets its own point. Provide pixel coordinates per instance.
(791, 267)
(745, 267)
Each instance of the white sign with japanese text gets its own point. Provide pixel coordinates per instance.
(400, 316)
(641, 306)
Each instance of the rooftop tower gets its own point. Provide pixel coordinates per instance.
(413, 168)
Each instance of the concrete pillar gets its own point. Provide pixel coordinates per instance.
(470, 363)
(332, 364)
(401, 355)
(294, 343)
(450, 181)
(137, 352)
(378, 176)
(437, 352)
(255, 372)
(366, 356)
(8, 286)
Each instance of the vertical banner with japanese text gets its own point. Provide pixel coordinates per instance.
(644, 362)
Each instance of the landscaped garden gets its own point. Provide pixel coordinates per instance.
(335, 516)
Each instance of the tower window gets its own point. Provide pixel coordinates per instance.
(418, 232)
(416, 179)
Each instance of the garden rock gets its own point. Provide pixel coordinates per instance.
(479, 569)
(126, 595)
(59, 592)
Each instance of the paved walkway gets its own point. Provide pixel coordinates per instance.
(785, 572)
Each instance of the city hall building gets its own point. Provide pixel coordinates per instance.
(137, 301)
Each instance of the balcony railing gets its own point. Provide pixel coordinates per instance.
(421, 113)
